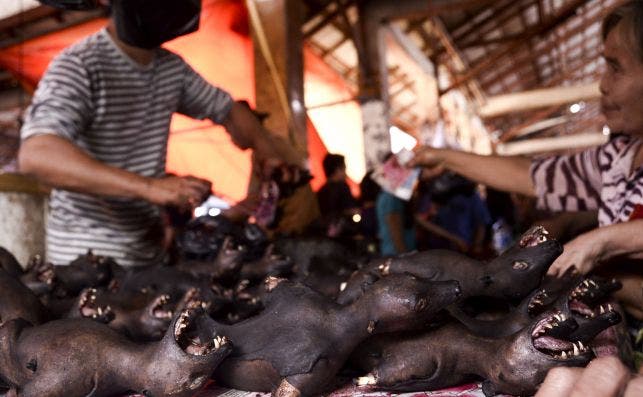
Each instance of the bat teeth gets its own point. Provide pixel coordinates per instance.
(219, 341)
(366, 380)
(576, 349)
(342, 286)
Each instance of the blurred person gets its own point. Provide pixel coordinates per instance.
(336, 202)
(279, 196)
(97, 131)
(395, 223)
(458, 219)
(369, 190)
(608, 178)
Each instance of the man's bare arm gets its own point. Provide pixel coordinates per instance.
(248, 133)
(59, 163)
(509, 174)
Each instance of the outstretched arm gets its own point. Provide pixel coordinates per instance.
(509, 174)
(588, 250)
(248, 133)
(57, 162)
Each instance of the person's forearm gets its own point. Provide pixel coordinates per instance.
(269, 145)
(249, 133)
(621, 239)
(509, 174)
(57, 162)
(439, 231)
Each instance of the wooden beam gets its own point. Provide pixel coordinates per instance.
(529, 100)
(566, 12)
(525, 59)
(48, 24)
(542, 125)
(457, 58)
(278, 49)
(28, 16)
(545, 145)
(534, 118)
(321, 24)
(498, 9)
(514, 10)
(496, 40)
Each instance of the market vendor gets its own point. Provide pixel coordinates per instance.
(608, 178)
(97, 132)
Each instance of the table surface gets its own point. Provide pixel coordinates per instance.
(468, 390)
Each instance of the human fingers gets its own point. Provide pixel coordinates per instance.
(201, 184)
(196, 189)
(422, 156)
(635, 387)
(564, 263)
(603, 377)
(559, 382)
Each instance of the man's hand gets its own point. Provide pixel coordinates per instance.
(428, 158)
(582, 253)
(603, 377)
(184, 192)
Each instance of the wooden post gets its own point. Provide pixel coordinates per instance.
(279, 77)
(534, 99)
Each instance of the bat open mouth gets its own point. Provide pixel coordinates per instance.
(89, 308)
(44, 270)
(161, 308)
(189, 338)
(548, 337)
(587, 297)
(534, 236)
(591, 291)
(538, 302)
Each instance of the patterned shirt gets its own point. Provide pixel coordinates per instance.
(600, 179)
(119, 113)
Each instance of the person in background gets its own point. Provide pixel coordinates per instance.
(369, 190)
(295, 207)
(336, 202)
(608, 178)
(97, 132)
(395, 223)
(458, 218)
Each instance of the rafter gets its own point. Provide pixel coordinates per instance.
(566, 12)
(523, 59)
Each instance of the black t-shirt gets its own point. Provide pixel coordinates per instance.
(334, 198)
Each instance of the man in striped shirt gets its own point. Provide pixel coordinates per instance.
(608, 178)
(97, 132)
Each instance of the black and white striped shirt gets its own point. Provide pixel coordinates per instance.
(119, 112)
(600, 179)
